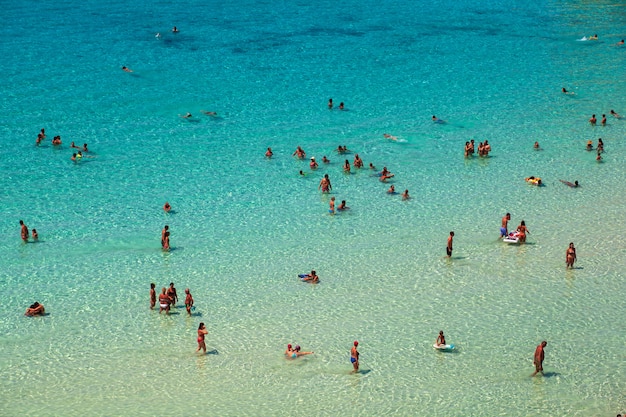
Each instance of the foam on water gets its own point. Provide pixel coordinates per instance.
(244, 226)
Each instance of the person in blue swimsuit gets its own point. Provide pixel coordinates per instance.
(354, 356)
(504, 231)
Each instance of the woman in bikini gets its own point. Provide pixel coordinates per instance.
(202, 331)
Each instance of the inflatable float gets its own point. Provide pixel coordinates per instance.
(443, 348)
(512, 237)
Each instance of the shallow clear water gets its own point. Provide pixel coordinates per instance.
(244, 226)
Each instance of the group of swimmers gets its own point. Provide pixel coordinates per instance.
(483, 148)
(25, 235)
(295, 352)
(168, 299)
(330, 105)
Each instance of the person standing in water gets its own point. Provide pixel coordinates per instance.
(202, 331)
(354, 357)
(449, 246)
(504, 231)
(539, 357)
(23, 231)
(570, 256)
(152, 296)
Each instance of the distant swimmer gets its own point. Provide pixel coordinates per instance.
(23, 231)
(617, 116)
(167, 207)
(372, 166)
(354, 357)
(56, 140)
(331, 207)
(202, 331)
(72, 145)
(593, 38)
(299, 153)
(391, 190)
(163, 232)
(388, 136)
(313, 164)
(593, 120)
(295, 353)
(449, 245)
(325, 160)
(385, 176)
(127, 69)
(620, 42)
(35, 235)
(539, 357)
(325, 184)
(330, 103)
(35, 309)
(269, 153)
(188, 301)
(358, 162)
(85, 148)
(341, 207)
(599, 157)
(504, 228)
(441, 339)
(175, 29)
(603, 121)
(589, 145)
(567, 92)
(289, 350)
(346, 167)
(341, 106)
(522, 231)
(405, 195)
(73, 158)
(536, 145)
(600, 146)
(534, 181)
(185, 116)
(570, 184)
(209, 113)
(312, 277)
(435, 119)
(152, 296)
(302, 174)
(570, 256)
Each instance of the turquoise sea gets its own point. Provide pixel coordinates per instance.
(243, 226)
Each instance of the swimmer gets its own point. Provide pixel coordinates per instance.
(289, 350)
(570, 256)
(56, 140)
(23, 231)
(372, 166)
(567, 92)
(72, 145)
(202, 331)
(35, 234)
(175, 29)
(599, 157)
(127, 69)
(341, 107)
(188, 301)
(269, 153)
(620, 42)
(85, 148)
(313, 164)
(79, 155)
(536, 145)
(522, 231)
(603, 121)
(331, 208)
(589, 145)
(164, 302)
(441, 339)
(391, 190)
(167, 207)
(152, 296)
(358, 162)
(405, 195)
(593, 120)
(312, 277)
(186, 116)
(354, 357)
(346, 167)
(435, 119)
(504, 228)
(330, 103)
(325, 184)
(296, 352)
(299, 153)
(209, 113)
(600, 146)
(35, 309)
(73, 158)
(171, 293)
(341, 207)
(617, 116)
(325, 160)
(570, 184)
(388, 136)
(386, 176)
(593, 38)
(302, 174)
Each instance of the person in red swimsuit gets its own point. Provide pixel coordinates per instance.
(202, 331)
